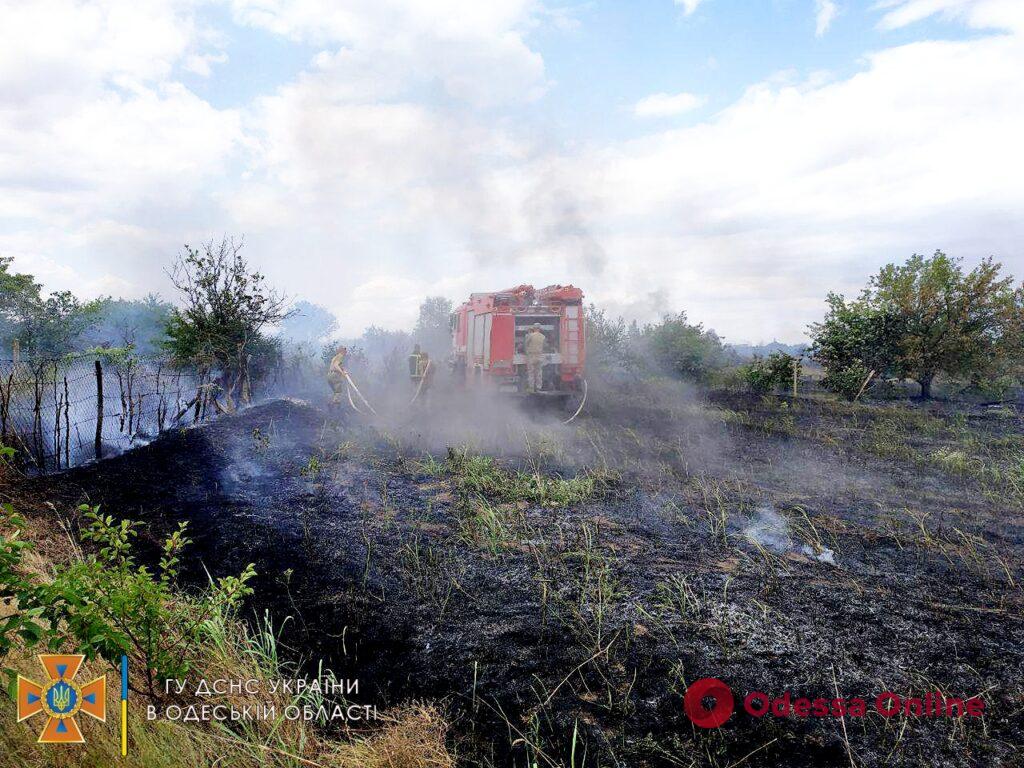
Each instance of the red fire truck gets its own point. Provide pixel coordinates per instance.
(488, 332)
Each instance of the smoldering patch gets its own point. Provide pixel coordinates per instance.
(767, 528)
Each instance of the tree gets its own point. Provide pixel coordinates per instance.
(950, 320)
(387, 349)
(918, 319)
(433, 327)
(611, 344)
(19, 297)
(688, 350)
(1011, 341)
(226, 307)
(47, 327)
(55, 325)
(139, 324)
(854, 339)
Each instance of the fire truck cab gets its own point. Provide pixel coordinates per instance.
(489, 329)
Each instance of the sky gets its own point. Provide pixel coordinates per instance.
(736, 160)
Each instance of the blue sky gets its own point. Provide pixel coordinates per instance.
(636, 48)
(607, 55)
(736, 160)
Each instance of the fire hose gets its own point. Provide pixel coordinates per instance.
(422, 379)
(582, 403)
(351, 386)
(348, 390)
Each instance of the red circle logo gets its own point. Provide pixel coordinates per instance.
(708, 688)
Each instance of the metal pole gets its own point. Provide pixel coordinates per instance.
(99, 410)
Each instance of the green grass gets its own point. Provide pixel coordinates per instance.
(478, 475)
(487, 525)
(956, 461)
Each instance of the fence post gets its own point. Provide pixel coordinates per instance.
(16, 351)
(99, 410)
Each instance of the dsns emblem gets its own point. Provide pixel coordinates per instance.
(61, 699)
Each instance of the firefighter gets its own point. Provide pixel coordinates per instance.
(425, 377)
(533, 347)
(336, 375)
(415, 363)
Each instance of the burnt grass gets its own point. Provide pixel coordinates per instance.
(778, 546)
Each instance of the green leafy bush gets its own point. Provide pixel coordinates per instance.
(688, 350)
(847, 380)
(22, 613)
(766, 374)
(110, 605)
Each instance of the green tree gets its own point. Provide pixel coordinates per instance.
(918, 319)
(688, 350)
(45, 327)
(950, 320)
(138, 324)
(854, 339)
(611, 343)
(226, 307)
(1010, 346)
(19, 297)
(433, 326)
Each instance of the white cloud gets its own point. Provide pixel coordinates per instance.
(982, 14)
(825, 12)
(801, 188)
(474, 50)
(402, 163)
(95, 128)
(667, 104)
(689, 6)
(352, 150)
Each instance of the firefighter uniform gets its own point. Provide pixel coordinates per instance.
(416, 363)
(425, 374)
(533, 347)
(336, 375)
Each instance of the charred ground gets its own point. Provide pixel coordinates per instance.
(579, 581)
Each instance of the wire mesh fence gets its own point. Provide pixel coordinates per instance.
(61, 412)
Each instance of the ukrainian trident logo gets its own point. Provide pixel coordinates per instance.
(61, 699)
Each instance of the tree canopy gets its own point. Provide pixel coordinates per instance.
(688, 350)
(225, 309)
(918, 319)
(433, 329)
(44, 327)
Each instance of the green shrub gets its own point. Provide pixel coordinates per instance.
(732, 377)
(766, 374)
(110, 605)
(846, 381)
(18, 594)
(686, 349)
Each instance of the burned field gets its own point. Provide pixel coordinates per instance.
(557, 596)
